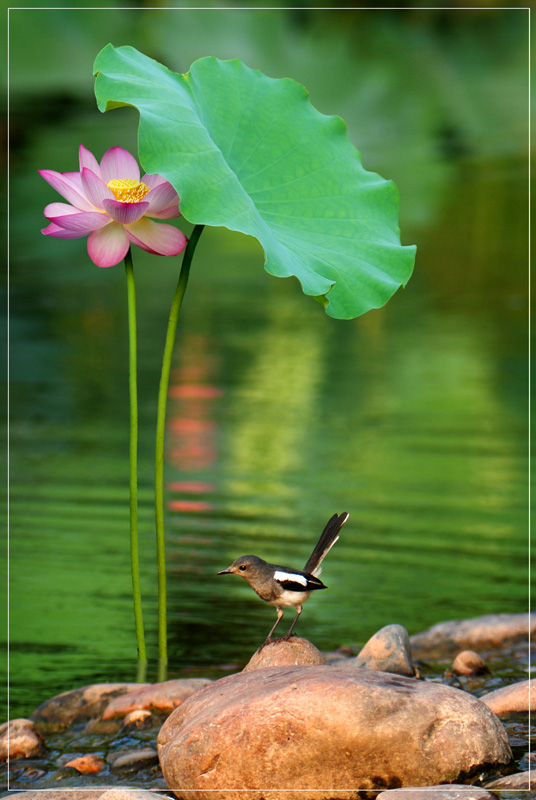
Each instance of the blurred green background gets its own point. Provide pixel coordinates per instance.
(412, 418)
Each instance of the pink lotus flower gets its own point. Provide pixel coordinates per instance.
(111, 204)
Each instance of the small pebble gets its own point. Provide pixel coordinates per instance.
(87, 765)
(469, 663)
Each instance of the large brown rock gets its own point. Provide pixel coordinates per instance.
(79, 704)
(295, 651)
(491, 630)
(323, 732)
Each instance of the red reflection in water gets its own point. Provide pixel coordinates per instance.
(189, 506)
(191, 427)
(192, 391)
(190, 487)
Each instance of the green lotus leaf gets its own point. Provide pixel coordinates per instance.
(251, 153)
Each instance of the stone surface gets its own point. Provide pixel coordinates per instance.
(135, 760)
(513, 783)
(162, 697)
(79, 704)
(469, 663)
(323, 732)
(129, 794)
(456, 791)
(95, 793)
(20, 738)
(517, 697)
(294, 651)
(388, 651)
(87, 765)
(491, 630)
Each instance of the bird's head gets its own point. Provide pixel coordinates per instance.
(248, 567)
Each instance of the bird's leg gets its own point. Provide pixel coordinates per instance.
(276, 623)
(289, 634)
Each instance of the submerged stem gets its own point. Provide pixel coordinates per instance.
(133, 470)
(159, 447)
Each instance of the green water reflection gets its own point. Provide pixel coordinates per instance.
(412, 418)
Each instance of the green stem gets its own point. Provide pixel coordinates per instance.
(133, 391)
(159, 448)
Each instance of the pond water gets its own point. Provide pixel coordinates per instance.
(412, 418)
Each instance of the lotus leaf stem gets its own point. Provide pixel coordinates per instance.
(159, 446)
(133, 470)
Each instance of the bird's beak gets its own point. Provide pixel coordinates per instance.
(224, 571)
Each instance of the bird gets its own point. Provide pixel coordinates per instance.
(283, 587)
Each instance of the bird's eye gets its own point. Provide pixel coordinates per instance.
(243, 567)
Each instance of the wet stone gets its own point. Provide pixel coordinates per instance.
(134, 760)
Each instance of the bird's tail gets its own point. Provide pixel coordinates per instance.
(329, 536)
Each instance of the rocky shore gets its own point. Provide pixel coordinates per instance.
(442, 714)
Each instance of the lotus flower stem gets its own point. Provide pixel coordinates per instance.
(133, 392)
(159, 448)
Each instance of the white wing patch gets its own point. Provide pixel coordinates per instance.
(289, 576)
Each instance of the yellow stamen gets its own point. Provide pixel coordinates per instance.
(127, 190)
